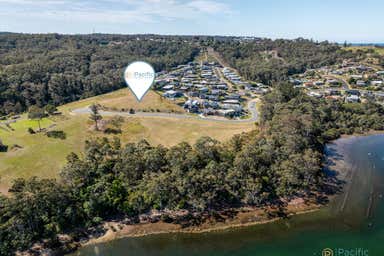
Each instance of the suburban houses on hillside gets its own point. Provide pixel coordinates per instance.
(207, 88)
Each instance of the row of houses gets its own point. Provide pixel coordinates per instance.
(349, 96)
(309, 83)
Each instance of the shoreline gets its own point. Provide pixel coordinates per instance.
(117, 230)
(344, 173)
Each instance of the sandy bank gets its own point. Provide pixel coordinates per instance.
(244, 217)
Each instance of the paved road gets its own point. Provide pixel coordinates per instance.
(251, 107)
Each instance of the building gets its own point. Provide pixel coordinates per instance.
(352, 99)
(168, 87)
(226, 112)
(377, 83)
(172, 94)
(361, 83)
(333, 82)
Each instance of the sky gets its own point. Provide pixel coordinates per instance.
(334, 20)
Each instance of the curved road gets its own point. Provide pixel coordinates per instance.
(251, 107)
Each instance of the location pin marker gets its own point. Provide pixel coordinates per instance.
(139, 76)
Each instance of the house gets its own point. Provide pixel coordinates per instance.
(209, 111)
(212, 97)
(333, 82)
(361, 83)
(377, 83)
(296, 82)
(357, 76)
(362, 68)
(203, 96)
(333, 97)
(368, 95)
(215, 92)
(259, 90)
(214, 104)
(233, 96)
(172, 94)
(231, 102)
(337, 72)
(168, 87)
(192, 94)
(334, 93)
(235, 107)
(352, 92)
(186, 80)
(352, 98)
(192, 106)
(160, 82)
(220, 86)
(308, 84)
(315, 94)
(226, 112)
(379, 95)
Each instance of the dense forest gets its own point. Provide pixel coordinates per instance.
(268, 61)
(281, 159)
(57, 69)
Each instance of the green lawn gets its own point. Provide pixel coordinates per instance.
(24, 124)
(38, 155)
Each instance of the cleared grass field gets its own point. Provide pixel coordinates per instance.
(124, 99)
(44, 157)
(39, 155)
(170, 131)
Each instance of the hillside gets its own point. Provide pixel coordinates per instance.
(38, 155)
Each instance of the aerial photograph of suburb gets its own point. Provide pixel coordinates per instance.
(191, 128)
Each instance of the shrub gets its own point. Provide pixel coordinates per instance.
(112, 130)
(56, 135)
(3, 148)
(31, 131)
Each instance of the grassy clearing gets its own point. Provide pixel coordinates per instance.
(124, 99)
(39, 156)
(44, 157)
(170, 131)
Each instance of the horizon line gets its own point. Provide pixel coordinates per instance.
(362, 42)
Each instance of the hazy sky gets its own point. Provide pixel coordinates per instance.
(334, 20)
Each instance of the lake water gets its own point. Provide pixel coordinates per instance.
(353, 221)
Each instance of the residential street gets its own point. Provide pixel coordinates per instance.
(251, 107)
